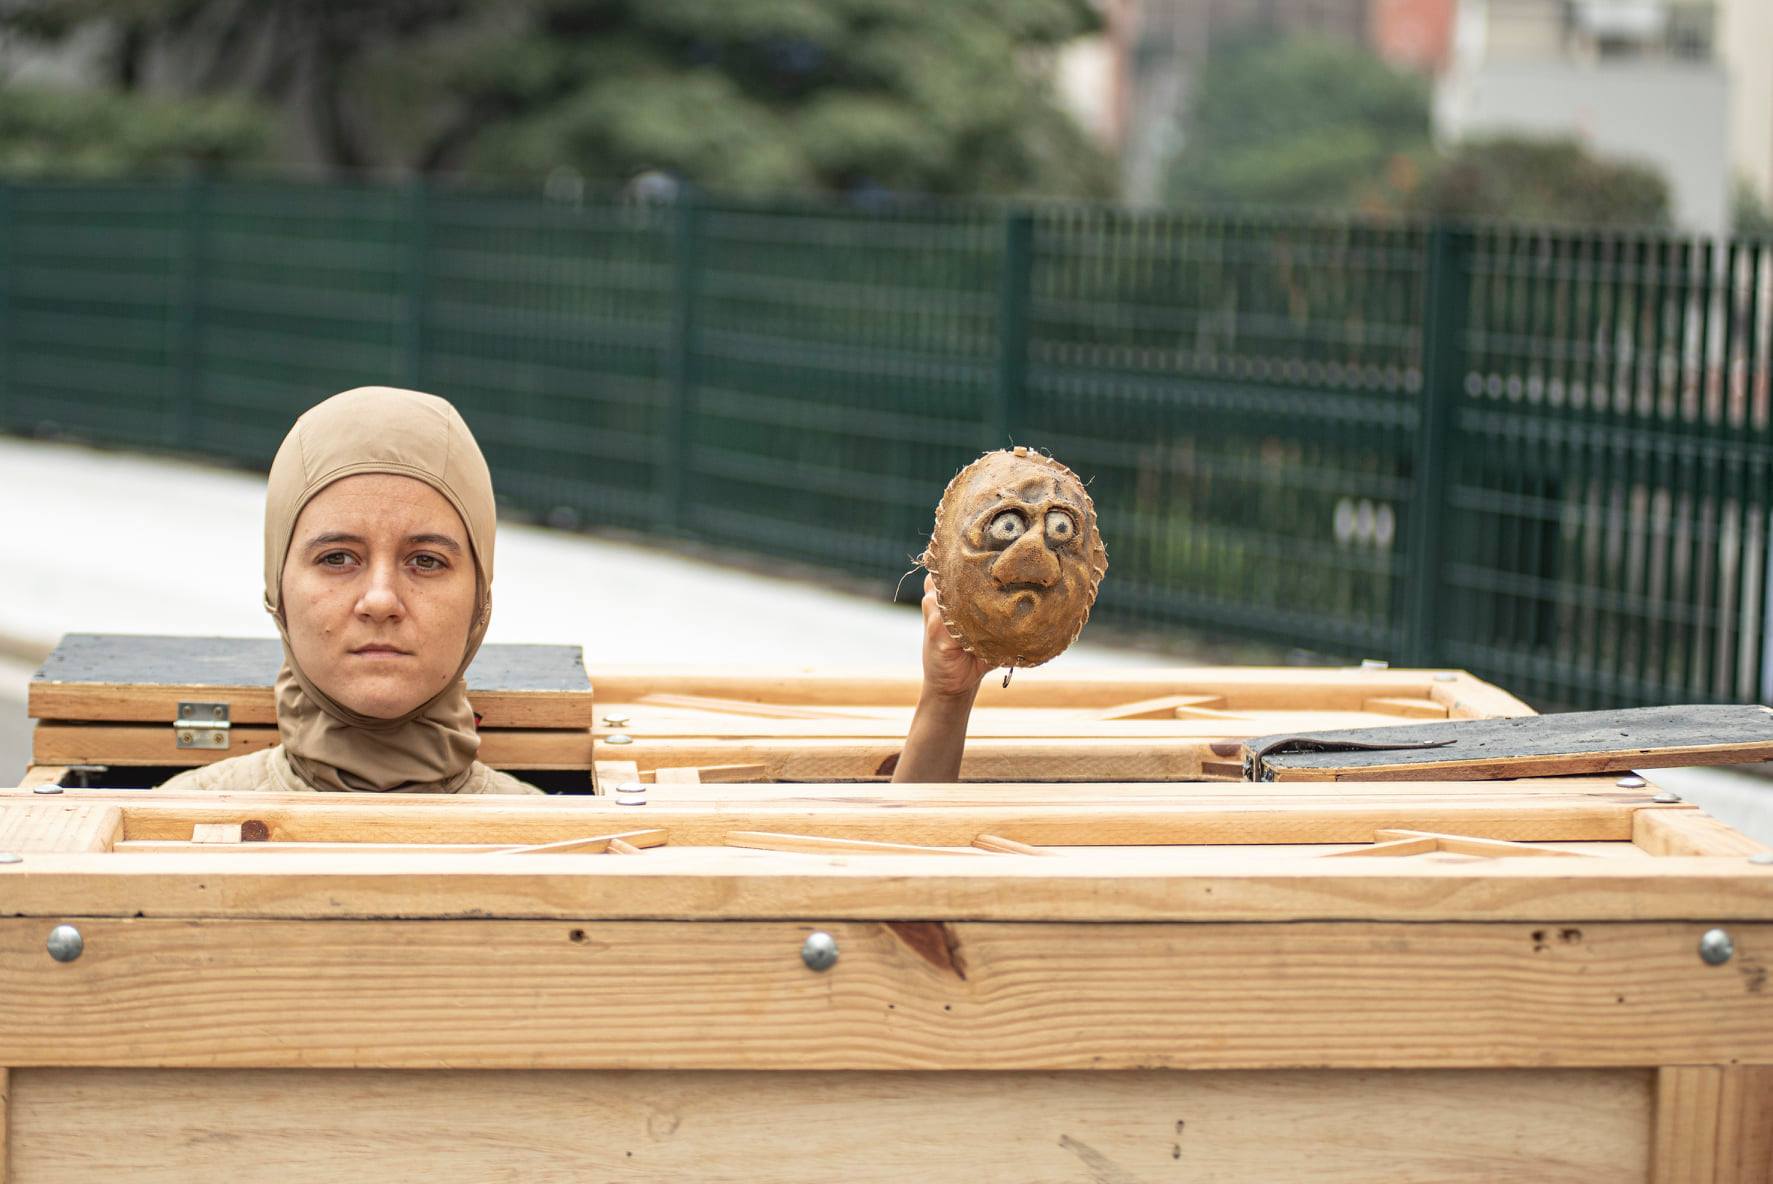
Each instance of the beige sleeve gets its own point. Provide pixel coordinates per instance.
(485, 779)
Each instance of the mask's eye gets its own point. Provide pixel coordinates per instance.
(1007, 527)
(1060, 527)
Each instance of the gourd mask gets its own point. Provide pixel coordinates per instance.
(1016, 557)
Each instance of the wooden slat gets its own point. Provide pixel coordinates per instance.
(826, 845)
(1009, 846)
(1687, 831)
(1163, 707)
(1745, 1126)
(315, 1126)
(1576, 742)
(59, 824)
(1119, 885)
(215, 833)
(1243, 687)
(736, 995)
(156, 745)
(5, 1125)
(591, 844)
(43, 775)
(121, 677)
(1410, 708)
(823, 760)
(1714, 1125)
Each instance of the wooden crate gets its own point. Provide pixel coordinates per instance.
(114, 701)
(1448, 981)
(111, 700)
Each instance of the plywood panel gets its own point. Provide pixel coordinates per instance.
(317, 1127)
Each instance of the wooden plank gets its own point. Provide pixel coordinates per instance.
(1009, 846)
(746, 707)
(826, 845)
(1576, 742)
(1687, 831)
(1426, 1127)
(1411, 708)
(1471, 845)
(620, 846)
(1422, 845)
(117, 677)
(37, 775)
(1162, 707)
(591, 844)
(156, 745)
(677, 776)
(716, 884)
(1184, 724)
(1244, 687)
(1714, 1125)
(5, 1125)
(825, 760)
(59, 824)
(1745, 1126)
(609, 775)
(737, 995)
(216, 832)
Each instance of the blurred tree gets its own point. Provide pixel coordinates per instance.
(847, 95)
(1527, 179)
(104, 134)
(1750, 217)
(1301, 122)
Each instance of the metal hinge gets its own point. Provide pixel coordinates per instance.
(201, 725)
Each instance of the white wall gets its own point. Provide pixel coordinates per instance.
(1745, 42)
(1674, 115)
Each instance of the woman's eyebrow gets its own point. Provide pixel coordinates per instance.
(334, 536)
(435, 540)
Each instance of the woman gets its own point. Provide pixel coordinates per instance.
(379, 526)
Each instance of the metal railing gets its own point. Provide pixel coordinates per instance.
(1543, 455)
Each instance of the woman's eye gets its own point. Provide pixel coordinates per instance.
(1060, 526)
(428, 563)
(1007, 527)
(336, 559)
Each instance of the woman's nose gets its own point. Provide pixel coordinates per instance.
(1027, 561)
(381, 596)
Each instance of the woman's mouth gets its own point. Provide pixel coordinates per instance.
(379, 651)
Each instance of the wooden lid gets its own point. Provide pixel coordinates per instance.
(138, 678)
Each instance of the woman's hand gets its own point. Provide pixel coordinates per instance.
(949, 672)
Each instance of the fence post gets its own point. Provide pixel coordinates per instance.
(187, 339)
(1447, 296)
(417, 208)
(8, 235)
(1003, 419)
(674, 456)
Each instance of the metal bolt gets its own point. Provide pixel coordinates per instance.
(184, 711)
(1375, 664)
(630, 799)
(1666, 797)
(1716, 947)
(184, 737)
(218, 711)
(215, 737)
(11, 857)
(1762, 859)
(46, 789)
(65, 943)
(1631, 781)
(618, 738)
(1446, 676)
(615, 720)
(819, 951)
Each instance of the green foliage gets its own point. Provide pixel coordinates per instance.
(1750, 217)
(104, 134)
(746, 95)
(1527, 179)
(1300, 122)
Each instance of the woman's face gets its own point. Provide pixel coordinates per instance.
(378, 593)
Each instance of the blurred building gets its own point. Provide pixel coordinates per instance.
(1633, 79)
(1745, 43)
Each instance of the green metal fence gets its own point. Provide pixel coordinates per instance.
(1543, 455)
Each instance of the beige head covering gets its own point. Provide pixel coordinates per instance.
(378, 429)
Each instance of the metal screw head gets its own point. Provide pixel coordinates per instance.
(218, 711)
(1631, 781)
(1666, 797)
(65, 943)
(819, 950)
(46, 789)
(11, 857)
(184, 711)
(618, 738)
(615, 720)
(184, 737)
(1716, 948)
(1762, 859)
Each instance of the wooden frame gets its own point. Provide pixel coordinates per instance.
(1186, 954)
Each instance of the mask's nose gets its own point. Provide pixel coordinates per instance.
(1026, 561)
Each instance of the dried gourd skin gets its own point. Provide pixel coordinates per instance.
(1016, 556)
